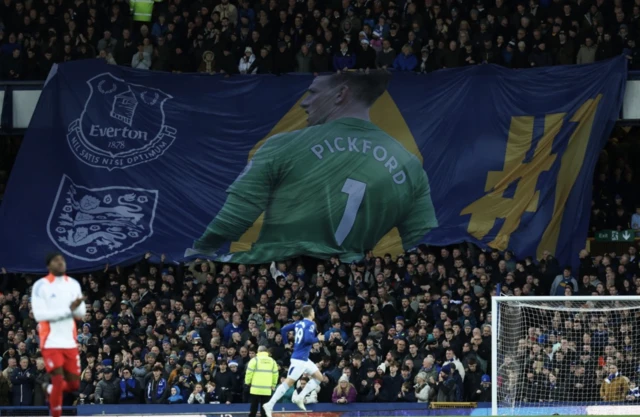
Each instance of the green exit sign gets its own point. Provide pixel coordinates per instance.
(615, 236)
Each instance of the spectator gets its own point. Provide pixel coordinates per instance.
(422, 388)
(87, 387)
(286, 398)
(225, 382)
(175, 397)
(312, 397)
(130, 389)
(343, 59)
(320, 60)
(446, 387)
(562, 281)
(22, 381)
(263, 63)
(245, 66)
(208, 65)
(227, 62)
(366, 56)
(587, 52)
(540, 57)
(283, 59)
(615, 386)
(40, 381)
(197, 396)
(108, 389)
(387, 56)
(107, 43)
(483, 392)
(634, 392)
(141, 59)
(303, 59)
(377, 394)
(345, 392)
(406, 61)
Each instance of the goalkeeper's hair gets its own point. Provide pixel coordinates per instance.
(366, 87)
(306, 311)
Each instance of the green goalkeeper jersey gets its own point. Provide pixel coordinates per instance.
(331, 189)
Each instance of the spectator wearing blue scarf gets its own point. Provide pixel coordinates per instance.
(129, 388)
(156, 388)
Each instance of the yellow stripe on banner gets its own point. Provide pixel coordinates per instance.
(570, 167)
(486, 210)
(386, 115)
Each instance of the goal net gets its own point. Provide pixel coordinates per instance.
(566, 355)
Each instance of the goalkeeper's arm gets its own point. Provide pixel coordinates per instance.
(247, 199)
(232, 221)
(421, 218)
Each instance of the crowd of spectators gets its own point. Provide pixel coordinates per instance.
(616, 202)
(413, 328)
(280, 36)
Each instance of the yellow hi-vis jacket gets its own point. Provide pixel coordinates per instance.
(262, 374)
(142, 10)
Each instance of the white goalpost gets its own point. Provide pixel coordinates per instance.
(565, 355)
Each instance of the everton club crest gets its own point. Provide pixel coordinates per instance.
(122, 124)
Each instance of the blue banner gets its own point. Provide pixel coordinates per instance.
(119, 162)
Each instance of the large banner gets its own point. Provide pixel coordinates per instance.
(118, 162)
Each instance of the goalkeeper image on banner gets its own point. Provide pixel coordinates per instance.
(335, 187)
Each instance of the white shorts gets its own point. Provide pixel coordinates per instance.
(299, 368)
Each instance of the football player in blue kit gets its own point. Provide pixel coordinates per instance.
(304, 338)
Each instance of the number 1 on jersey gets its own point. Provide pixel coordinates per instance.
(355, 191)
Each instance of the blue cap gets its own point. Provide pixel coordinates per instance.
(486, 378)
(233, 363)
(107, 362)
(446, 369)
(399, 318)
(269, 321)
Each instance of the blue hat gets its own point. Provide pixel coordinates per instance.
(86, 325)
(233, 363)
(446, 369)
(399, 318)
(485, 378)
(107, 362)
(269, 321)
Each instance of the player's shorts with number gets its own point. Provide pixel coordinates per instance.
(299, 368)
(67, 359)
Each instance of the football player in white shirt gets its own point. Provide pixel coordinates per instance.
(57, 301)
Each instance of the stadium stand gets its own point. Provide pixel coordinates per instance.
(222, 37)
